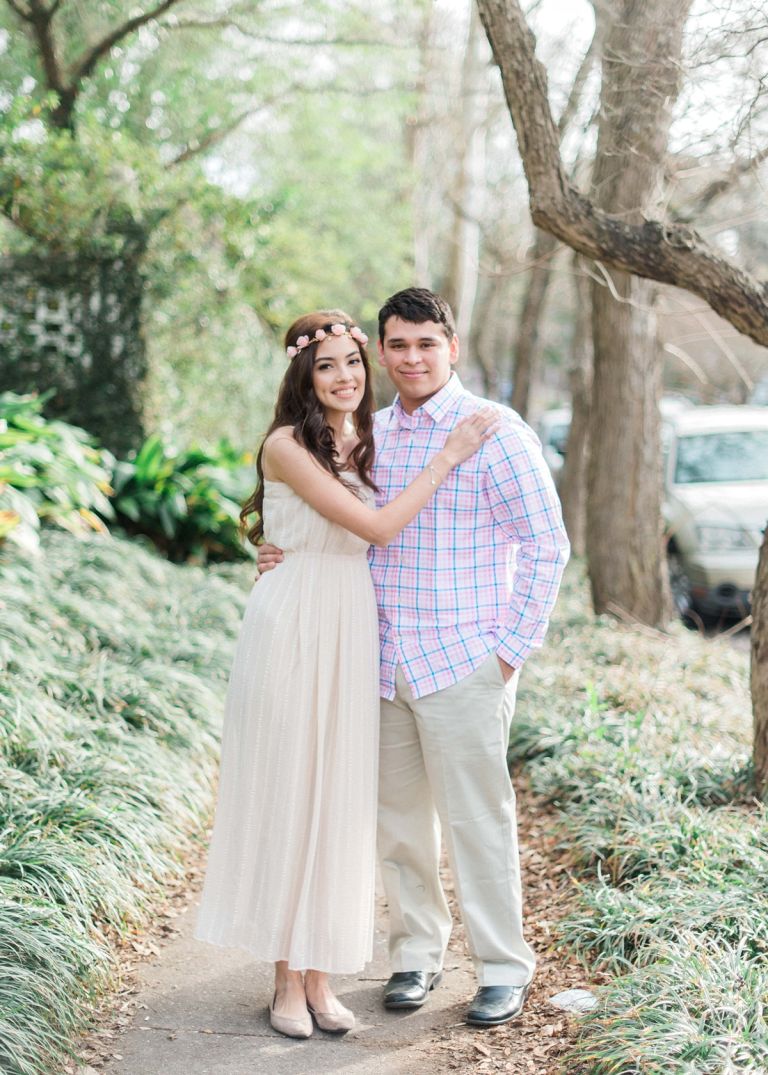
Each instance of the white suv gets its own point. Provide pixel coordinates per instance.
(715, 505)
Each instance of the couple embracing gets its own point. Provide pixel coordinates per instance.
(411, 560)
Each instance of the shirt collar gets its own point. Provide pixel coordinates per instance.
(436, 407)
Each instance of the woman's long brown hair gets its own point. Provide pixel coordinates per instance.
(298, 406)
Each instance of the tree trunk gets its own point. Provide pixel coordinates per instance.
(527, 343)
(759, 670)
(419, 150)
(481, 348)
(573, 477)
(526, 350)
(469, 189)
(624, 530)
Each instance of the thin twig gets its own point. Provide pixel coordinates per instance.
(627, 617)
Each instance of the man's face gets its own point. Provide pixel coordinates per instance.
(418, 359)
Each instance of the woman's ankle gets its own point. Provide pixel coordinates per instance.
(287, 980)
(319, 989)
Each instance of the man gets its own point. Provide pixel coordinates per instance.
(464, 594)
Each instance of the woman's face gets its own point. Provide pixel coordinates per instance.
(338, 375)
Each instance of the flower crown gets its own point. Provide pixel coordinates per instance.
(338, 329)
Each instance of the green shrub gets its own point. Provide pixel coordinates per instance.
(45, 959)
(188, 503)
(50, 472)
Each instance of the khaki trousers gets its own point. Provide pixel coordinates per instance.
(443, 766)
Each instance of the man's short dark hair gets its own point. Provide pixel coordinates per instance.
(417, 305)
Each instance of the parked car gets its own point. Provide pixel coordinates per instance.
(554, 425)
(553, 433)
(715, 505)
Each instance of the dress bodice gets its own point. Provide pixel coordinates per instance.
(293, 525)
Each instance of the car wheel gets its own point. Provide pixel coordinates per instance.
(679, 584)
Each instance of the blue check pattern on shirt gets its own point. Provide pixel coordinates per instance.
(478, 569)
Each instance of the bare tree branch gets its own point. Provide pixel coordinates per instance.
(196, 146)
(83, 67)
(20, 11)
(546, 246)
(39, 19)
(227, 23)
(577, 88)
(217, 134)
(721, 186)
(669, 253)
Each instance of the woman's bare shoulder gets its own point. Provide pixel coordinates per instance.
(281, 433)
(283, 454)
(279, 441)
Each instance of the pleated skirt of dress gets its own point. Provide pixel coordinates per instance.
(291, 866)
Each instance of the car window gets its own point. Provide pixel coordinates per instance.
(737, 456)
(558, 437)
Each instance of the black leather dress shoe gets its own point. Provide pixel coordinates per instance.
(494, 1004)
(409, 988)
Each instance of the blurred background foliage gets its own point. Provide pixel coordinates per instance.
(232, 137)
(278, 157)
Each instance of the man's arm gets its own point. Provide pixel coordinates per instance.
(525, 506)
(269, 556)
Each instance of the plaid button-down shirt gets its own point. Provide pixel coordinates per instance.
(479, 568)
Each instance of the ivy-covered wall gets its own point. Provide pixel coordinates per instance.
(74, 324)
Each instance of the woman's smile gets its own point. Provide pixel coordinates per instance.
(338, 375)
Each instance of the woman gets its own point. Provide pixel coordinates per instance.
(291, 866)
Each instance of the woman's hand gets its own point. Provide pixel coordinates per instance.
(469, 434)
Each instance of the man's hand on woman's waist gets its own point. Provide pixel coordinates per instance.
(269, 556)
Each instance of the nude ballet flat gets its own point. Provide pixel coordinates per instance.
(292, 1028)
(333, 1022)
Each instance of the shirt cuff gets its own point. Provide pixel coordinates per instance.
(512, 649)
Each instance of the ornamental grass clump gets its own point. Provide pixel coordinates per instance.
(620, 928)
(641, 741)
(698, 1009)
(114, 671)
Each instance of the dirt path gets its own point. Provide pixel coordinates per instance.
(185, 1008)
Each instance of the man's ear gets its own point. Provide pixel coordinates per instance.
(380, 349)
(454, 349)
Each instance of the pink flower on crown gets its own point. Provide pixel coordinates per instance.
(320, 334)
(338, 330)
(357, 334)
(302, 342)
(291, 352)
